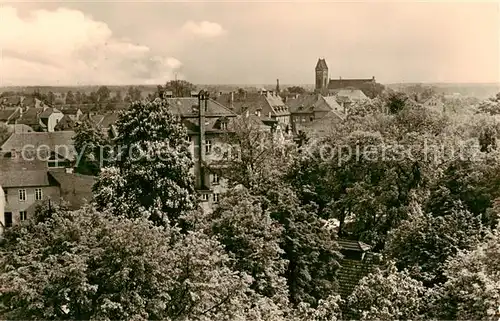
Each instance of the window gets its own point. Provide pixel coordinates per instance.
(23, 215)
(22, 195)
(6, 196)
(208, 146)
(215, 178)
(204, 197)
(223, 126)
(8, 219)
(190, 139)
(216, 198)
(38, 194)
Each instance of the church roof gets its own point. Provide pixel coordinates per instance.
(344, 83)
(321, 64)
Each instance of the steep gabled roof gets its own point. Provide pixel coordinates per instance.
(47, 112)
(31, 116)
(27, 178)
(349, 245)
(321, 64)
(187, 107)
(76, 189)
(345, 83)
(60, 142)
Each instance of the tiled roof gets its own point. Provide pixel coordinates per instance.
(109, 119)
(31, 116)
(20, 128)
(353, 245)
(352, 93)
(331, 102)
(187, 106)
(8, 114)
(27, 178)
(35, 140)
(253, 102)
(8, 164)
(75, 188)
(66, 123)
(321, 64)
(352, 271)
(47, 112)
(70, 110)
(344, 83)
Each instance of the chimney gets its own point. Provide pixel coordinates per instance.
(202, 106)
(277, 86)
(231, 100)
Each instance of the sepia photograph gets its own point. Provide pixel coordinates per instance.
(249, 160)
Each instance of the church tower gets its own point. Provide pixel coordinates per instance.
(321, 75)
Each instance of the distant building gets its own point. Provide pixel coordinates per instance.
(265, 104)
(307, 110)
(324, 84)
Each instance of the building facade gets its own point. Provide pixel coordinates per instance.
(324, 84)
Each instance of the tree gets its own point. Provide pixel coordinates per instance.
(396, 101)
(94, 149)
(180, 88)
(151, 174)
(88, 265)
(387, 294)
(424, 242)
(308, 245)
(472, 288)
(296, 90)
(103, 93)
(118, 96)
(252, 238)
(50, 99)
(70, 98)
(372, 90)
(78, 98)
(253, 155)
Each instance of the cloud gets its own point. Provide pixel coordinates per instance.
(67, 47)
(204, 28)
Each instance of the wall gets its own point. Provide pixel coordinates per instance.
(54, 118)
(15, 206)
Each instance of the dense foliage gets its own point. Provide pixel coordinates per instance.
(418, 185)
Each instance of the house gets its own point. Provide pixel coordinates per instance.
(207, 122)
(24, 190)
(55, 149)
(324, 84)
(314, 113)
(264, 103)
(357, 262)
(434, 103)
(66, 123)
(347, 97)
(49, 118)
(72, 112)
(31, 118)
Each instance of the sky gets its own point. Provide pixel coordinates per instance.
(138, 42)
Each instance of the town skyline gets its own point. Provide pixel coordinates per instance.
(257, 44)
